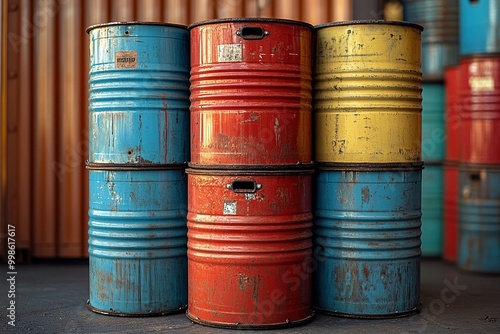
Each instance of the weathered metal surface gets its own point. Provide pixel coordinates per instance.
(367, 96)
(480, 113)
(251, 92)
(479, 219)
(249, 248)
(440, 38)
(450, 212)
(139, 93)
(452, 112)
(137, 242)
(479, 28)
(367, 241)
(433, 127)
(432, 210)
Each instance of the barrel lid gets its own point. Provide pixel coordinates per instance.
(250, 20)
(358, 22)
(128, 23)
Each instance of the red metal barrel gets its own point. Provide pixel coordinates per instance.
(450, 212)
(249, 248)
(250, 93)
(452, 112)
(480, 114)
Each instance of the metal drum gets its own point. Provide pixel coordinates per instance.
(367, 92)
(432, 210)
(450, 212)
(440, 37)
(367, 240)
(251, 93)
(479, 219)
(139, 93)
(480, 113)
(479, 28)
(452, 112)
(137, 242)
(433, 127)
(249, 248)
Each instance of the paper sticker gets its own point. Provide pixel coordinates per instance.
(229, 207)
(482, 84)
(230, 53)
(126, 59)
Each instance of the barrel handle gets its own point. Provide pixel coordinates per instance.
(252, 33)
(244, 186)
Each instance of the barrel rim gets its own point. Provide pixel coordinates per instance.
(250, 20)
(138, 166)
(462, 166)
(246, 172)
(297, 166)
(478, 55)
(370, 167)
(123, 23)
(363, 22)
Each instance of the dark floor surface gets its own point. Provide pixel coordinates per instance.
(50, 298)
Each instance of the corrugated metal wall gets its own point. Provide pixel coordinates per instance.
(44, 105)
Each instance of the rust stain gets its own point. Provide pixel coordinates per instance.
(165, 110)
(243, 281)
(366, 194)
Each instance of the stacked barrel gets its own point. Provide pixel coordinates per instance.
(138, 125)
(249, 181)
(479, 144)
(439, 51)
(367, 212)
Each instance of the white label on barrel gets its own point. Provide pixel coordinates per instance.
(126, 59)
(229, 207)
(482, 84)
(230, 53)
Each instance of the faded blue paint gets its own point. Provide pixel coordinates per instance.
(479, 27)
(479, 219)
(139, 115)
(432, 210)
(367, 242)
(440, 37)
(137, 241)
(433, 126)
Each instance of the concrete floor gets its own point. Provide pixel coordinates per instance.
(50, 298)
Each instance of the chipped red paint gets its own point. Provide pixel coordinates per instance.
(452, 121)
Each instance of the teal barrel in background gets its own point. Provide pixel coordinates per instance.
(139, 93)
(479, 219)
(137, 241)
(433, 125)
(440, 37)
(479, 27)
(432, 210)
(367, 239)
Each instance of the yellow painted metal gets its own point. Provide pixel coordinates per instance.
(368, 92)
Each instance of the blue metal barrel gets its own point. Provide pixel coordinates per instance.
(432, 210)
(440, 37)
(433, 126)
(479, 219)
(139, 93)
(137, 241)
(479, 27)
(367, 240)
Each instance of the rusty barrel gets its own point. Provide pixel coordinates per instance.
(479, 28)
(450, 211)
(249, 248)
(137, 241)
(367, 98)
(480, 113)
(479, 219)
(441, 36)
(452, 112)
(367, 239)
(432, 210)
(250, 93)
(139, 93)
(433, 124)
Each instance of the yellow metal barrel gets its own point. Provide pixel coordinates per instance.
(368, 92)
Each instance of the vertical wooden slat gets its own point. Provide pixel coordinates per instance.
(71, 154)
(176, 11)
(287, 9)
(315, 11)
(149, 10)
(45, 139)
(202, 10)
(122, 10)
(3, 130)
(229, 8)
(342, 10)
(258, 8)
